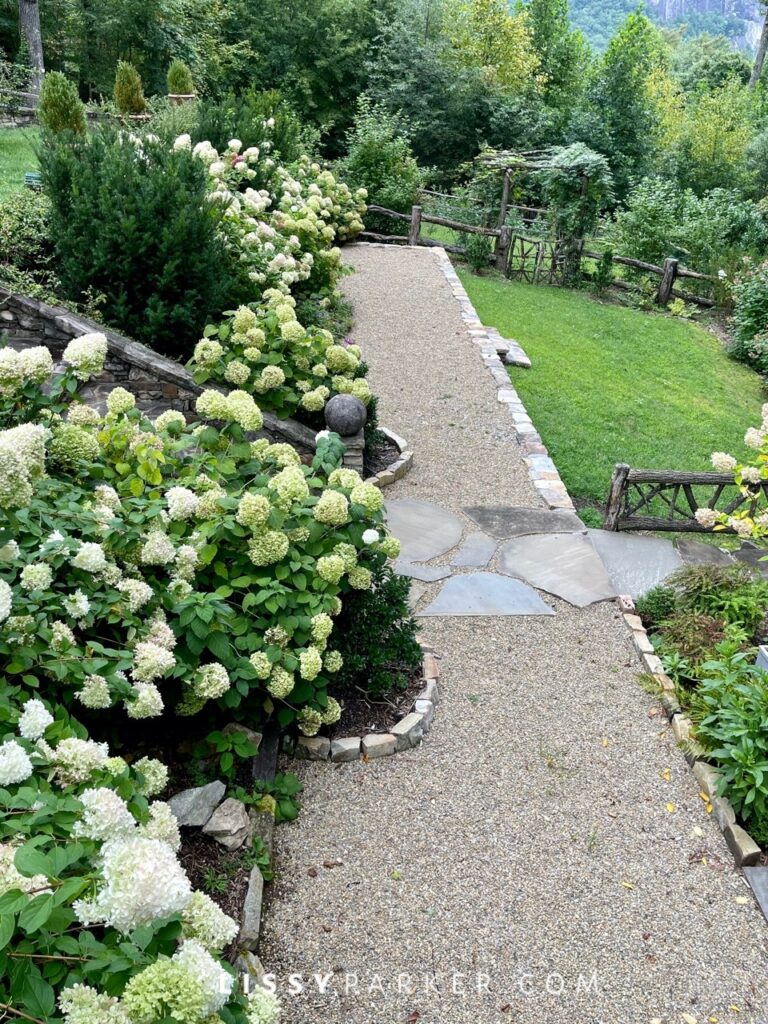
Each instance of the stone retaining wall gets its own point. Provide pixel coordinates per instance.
(157, 382)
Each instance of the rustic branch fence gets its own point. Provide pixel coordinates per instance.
(536, 259)
(667, 500)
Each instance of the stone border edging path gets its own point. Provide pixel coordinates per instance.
(549, 830)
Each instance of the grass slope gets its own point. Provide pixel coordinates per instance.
(17, 155)
(611, 384)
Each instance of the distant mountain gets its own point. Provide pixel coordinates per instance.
(740, 20)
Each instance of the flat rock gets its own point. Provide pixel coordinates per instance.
(563, 564)
(313, 748)
(424, 530)
(504, 521)
(250, 921)
(418, 590)
(754, 556)
(758, 879)
(409, 731)
(379, 745)
(345, 749)
(635, 564)
(424, 573)
(193, 807)
(476, 551)
(693, 552)
(486, 593)
(229, 824)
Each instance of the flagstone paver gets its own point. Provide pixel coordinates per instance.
(504, 522)
(635, 563)
(486, 593)
(563, 564)
(476, 551)
(693, 552)
(425, 530)
(544, 857)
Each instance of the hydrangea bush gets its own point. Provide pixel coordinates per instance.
(98, 920)
(291, 370)
(146, 567)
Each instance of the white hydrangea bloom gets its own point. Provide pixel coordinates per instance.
(94, 692)
(371, 537)
(723, 462)
(263, 1007)
(706, 517)
(36, 576)
(155, 775)
(15, 765)
(106, 495)
(6, 600)
(216, 982)
(158, 549)
(206, 922)
(9, 552)
(148, 702)
(754, 438)
(77, 605)
(183, 141)
(10, 877)
(751, 474)
(82, 1004)
(142, 881)
(105, 815)
(76, 760)
(34, 720)
(86, 354)
(90, 557)
(162, 825)
(137, 593)
(182, 503)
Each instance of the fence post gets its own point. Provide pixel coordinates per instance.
(415, 230)
(502, 246)
(667, 281)
(616, 496)
(504, 199)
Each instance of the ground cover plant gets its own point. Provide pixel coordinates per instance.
(610, 384)
(17, 156)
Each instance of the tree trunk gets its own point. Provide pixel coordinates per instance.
(762, 46)
(29, 22)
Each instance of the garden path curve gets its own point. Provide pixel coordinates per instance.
(544, 856)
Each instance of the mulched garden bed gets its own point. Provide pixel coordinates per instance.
(220, 874)
(361, 715)
(380, 456)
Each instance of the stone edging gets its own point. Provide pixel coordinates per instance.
(541, 469)
(745, 850)
(406, 734)
(395, 470)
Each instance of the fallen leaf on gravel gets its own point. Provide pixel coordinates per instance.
(332, 863)
(741, 900)
(698, 832)
(312, 872)
(704, 796)
(605, 741)
(666, 774)
(396, 875)
(413, 1017)
(671, 808)
(734, 1009)
(708, 808)
(646, 935)
(655, 1020)
(628, 885)
(689, 1019)
(508, 1006)
(326, 928)
(713, 1020)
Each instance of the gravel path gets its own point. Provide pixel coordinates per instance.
(523, 864)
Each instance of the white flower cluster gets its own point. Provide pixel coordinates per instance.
(86, 354)
(29, 366)
(22, 463)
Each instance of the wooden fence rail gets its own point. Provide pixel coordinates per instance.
(667, 500)
(507, 243)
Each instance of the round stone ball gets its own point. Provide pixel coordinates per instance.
(345, 415)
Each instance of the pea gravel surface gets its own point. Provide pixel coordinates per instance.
(545, 855)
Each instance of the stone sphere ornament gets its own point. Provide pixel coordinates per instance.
(345, 414)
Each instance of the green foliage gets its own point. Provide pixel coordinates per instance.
(732, 711)
(179, 79)
(278, 796)
(24, 232)
(564, 54)
(656, 605)
(129, 94)
(708, 61)
(227, 748)
(17, 156)
(135, 225)
(60, 108)
(244, 116)
(379, 159)
(377, 638)
(478, 251)
(603, 277)
(750, 318)
(691, 635)
(728, 592)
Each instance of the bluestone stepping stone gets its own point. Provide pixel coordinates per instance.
(754, 556)
(486, 593)
(476, 551)
(563, 564)
(423, 529)
(504, 521)
(425, 573)
(418, 590)
(758, 879)
(693, 552)
(635, 564)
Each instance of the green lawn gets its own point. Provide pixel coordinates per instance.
(610, 384)
(17, 155)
